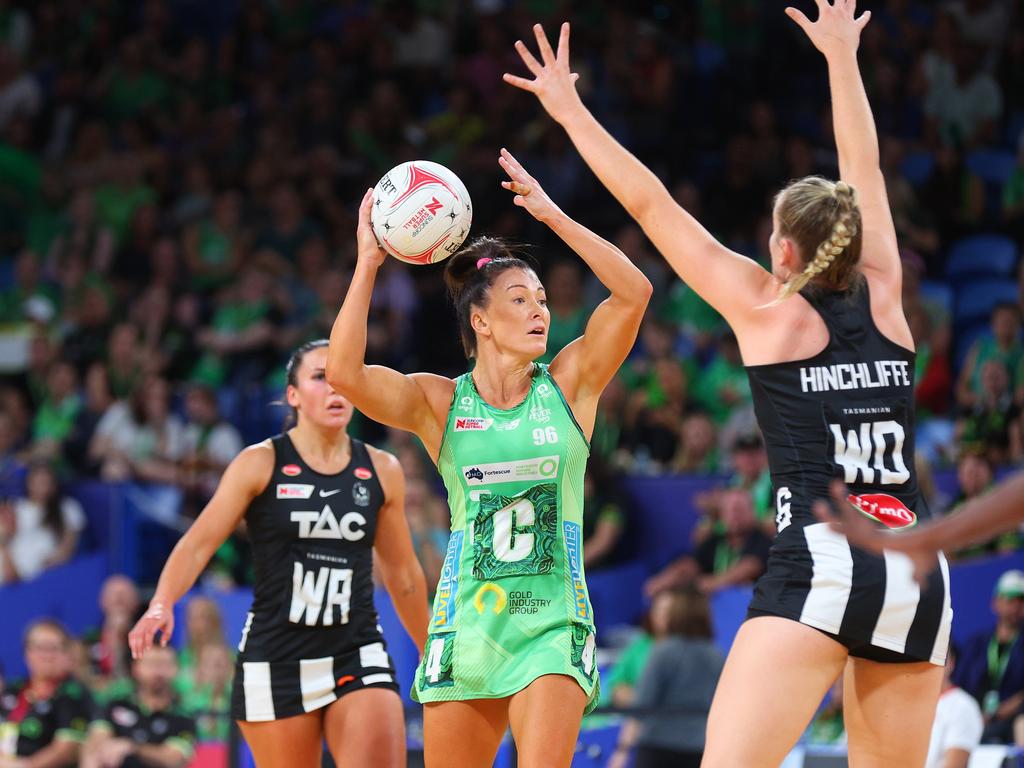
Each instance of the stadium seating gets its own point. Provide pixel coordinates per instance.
(991, 254)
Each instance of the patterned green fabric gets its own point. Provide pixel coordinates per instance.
(512, 602)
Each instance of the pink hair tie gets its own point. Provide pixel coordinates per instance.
(483, 261)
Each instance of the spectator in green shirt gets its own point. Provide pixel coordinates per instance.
(56, 416)
(209, 699)
(564, 285)
(1003, 345)
(722, 386)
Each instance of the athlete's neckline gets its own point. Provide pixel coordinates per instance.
(517, 406)
(343, 470)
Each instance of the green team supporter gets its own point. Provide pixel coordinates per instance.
(512, 585)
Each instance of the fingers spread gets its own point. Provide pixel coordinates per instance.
(563, 44)
(798, 16)
(543, 45)
(528, 59)
(519, 82)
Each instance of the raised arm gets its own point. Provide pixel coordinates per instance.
(418, 402)
(836, 33)
(731, 283)
(243, 480)
(585, 366)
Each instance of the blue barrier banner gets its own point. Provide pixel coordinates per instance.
(68, 593)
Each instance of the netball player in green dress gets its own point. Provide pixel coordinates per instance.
(512, 630)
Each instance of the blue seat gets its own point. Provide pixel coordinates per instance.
(938, 293)
(975, 299)
(992, 166)
(992, 254)
(917, 167)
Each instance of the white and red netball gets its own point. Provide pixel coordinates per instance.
(421, 212)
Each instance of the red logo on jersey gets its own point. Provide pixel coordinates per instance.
(471, 424)
(291, 470)
(433, 206)
(363, 473)
(345, 680)
(889, 511)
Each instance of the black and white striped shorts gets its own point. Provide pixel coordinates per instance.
(272, 690)
(864, 601)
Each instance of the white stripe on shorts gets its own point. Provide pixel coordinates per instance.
(902, 596)
(383, 677)
(259, 699)
(374, 655)
(941, 647)
(316, 680)
(831, 578)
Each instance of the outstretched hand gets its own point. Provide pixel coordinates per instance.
(836, 29)
(529, 194)
(866, 534)
(554, 84)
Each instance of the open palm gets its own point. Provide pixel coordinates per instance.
(837, 28)
(553, 83)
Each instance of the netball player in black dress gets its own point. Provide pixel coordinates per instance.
(830, 359)
(312, 664)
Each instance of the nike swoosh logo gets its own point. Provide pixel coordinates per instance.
(329, 493)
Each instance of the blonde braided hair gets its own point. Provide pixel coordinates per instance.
(805, 208)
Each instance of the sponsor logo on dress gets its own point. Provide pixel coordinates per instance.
(448, 584)
(499, 601)
(363, 473)
(522, 602)
(886, 509)
(574, 554)
(294, 491)
(361, 495)
(543, 390)
(292, 470)
(543, 468)
(540, 415)
(324, 525)
(325, 494)
(472, 424)
(508, 426)
(465, 403)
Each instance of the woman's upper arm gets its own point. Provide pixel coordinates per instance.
(880, 255)
(416, 402)
(730, 282)
(244, 479)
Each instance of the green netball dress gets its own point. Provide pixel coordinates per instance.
(512, 602)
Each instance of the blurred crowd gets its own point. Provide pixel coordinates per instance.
(178, 188)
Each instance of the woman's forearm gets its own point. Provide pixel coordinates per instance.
(347, 352)
(853, 123)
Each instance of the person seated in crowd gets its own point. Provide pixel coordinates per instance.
(203, 626)
(1003, 345)
(991, 667)
(43, 721)
(209, 700)
(603, 516)
(674, 694)
(108, 643)
(991, 425)
(750, 473)
(145, 729)
(975, 474)
(41, 530)
(142, 439)
(209, 444)
(958, 723)
(736, 555)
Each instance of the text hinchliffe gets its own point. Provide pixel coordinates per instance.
(842, 376)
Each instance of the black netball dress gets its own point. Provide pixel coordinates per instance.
(847, 413)
(312, 634)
